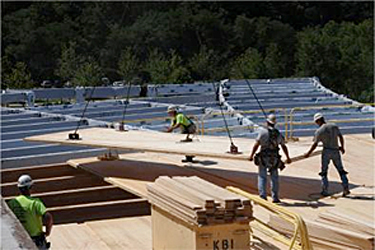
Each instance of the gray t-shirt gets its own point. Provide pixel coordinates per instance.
(328, 134)
(263, 138)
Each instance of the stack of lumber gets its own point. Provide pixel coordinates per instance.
(342, 227)
(198, 202)
(360, 221)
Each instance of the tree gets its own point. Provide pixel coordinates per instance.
(19, 77)
(248, 65)
(273, 68)
(203, 64)
(178, 72)
(341, 55)
(158, 66)
(69, 62)
(128, 64)
(88, 74)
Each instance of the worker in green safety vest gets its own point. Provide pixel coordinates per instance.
(181, 121)
(32, 213)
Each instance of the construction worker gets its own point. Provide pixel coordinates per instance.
(328, 134)
(181, 121)
(32, 213)
(268, 158)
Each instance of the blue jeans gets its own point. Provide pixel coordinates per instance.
(262, 182)
(334, 155)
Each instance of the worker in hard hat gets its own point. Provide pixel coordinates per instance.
(329, 134)
(181, 121)
(32, 213)
(268, 158)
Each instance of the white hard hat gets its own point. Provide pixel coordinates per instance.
(271, 119)
(318, 116)
(171, 108)
(25, 181)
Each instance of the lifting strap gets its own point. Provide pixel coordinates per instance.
(126, 104)
(84, 110)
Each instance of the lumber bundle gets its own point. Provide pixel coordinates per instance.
(344, 218)
(198, 202)
(332, 231)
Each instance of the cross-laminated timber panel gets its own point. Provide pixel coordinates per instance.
(149, 141)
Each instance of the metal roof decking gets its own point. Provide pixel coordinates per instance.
(280, 93)
(37, 150)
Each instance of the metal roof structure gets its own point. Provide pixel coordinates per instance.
(298, 99)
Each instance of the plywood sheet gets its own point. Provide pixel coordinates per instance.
(124, 233)
(75, 236)
(158, 142)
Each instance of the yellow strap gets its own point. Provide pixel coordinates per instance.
(300, 226)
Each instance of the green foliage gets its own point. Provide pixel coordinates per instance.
(192, 41)
(69, 62)
(128, 64)
(88, 74)
(341, 55)
(273, 68)
(248, 65)
(203, 63)
(18, 77)
(166, 69)
(158, 67)
(178, 73)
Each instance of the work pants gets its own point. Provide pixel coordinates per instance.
(334, 155)
(262, 182)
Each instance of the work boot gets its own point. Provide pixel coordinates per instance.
(345, 192)
(276, 201)
(187, 140)
(324, 193)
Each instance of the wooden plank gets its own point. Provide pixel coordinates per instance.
(99, 211)
(218, 193)
(76, 236)
(55, 184)
(120, 233)
(328, 233)
(81, 195)
(172, 194)
(37, 172)
(193, 195)
(207, 146)
(124, 233)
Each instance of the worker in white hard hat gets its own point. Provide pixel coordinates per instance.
(268, 158)
(32, 213)
(181, 121)
(329, 134)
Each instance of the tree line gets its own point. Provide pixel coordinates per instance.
(179, 42)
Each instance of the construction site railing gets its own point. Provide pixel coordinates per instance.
(300, 231)
(293, 110)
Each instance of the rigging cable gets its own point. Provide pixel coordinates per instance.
(125, 107)
(256, 98)
(84, 111)
(233, 148)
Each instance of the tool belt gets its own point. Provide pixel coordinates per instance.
(41, 242)
(270, 159)
(191, 129)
